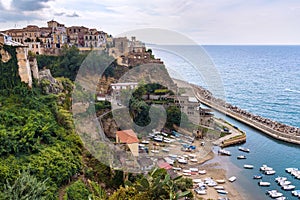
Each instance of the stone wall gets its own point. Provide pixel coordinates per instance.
(24, 67)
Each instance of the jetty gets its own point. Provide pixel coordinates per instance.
(274, 129)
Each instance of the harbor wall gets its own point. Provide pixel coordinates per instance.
(261, 127)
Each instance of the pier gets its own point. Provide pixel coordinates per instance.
(205, 97)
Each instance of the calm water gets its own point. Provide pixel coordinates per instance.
(264, 80)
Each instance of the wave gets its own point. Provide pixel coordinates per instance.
(291, 90)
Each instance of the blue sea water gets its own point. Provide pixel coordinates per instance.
(264, 80)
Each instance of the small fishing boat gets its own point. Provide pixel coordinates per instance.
(232, 179)
(281, 198)
(288, 187)
(202, 172)
(197, 180)
(222, 191)
(280, 178)
(265, 168)
(194, 169)
(186, 171)
(186, 174)
(224, 152)
(154, 151)
(290, 169)
(296, 193)
(193, 160)
(257, 176)
(274, 193)
(200, 191)
(219, 187)
(282, 183)
(248, 166)
(145, 142)
(241, 157)
(220, 181)
(176, 168)
(244, 149)
(264, 183)
(270, 172)
(165, 150)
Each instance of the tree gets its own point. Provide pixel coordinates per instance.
(25, 187)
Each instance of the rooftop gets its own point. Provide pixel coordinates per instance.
(127, 136)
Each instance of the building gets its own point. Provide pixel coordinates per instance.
(118, 87)
(129, 138)
(76, 35)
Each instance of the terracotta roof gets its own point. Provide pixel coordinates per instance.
(127, 136)
(164, 165)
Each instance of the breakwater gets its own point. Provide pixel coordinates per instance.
(272, 128)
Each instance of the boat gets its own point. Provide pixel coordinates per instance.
(154, 151)
(282, 183)
(194, 169)
(182, 161)
(244, 149)
(222, 191)
(200, 191)
(224, 152)
(281, 198)
(290, 169)
(241, 157)
(257, 176)
(220, 181)
(186, 174)
(165, 150)
(296, 193)
(265, 168)
(145, 142)
(280, 178)
(186, 171)
(197, 180)
(193, 160)
(274, 193)
(176, 168)
(202, 172)
(270, 172)
(264, 183)
(248, 166)
(232, 179)
(219, 187)
(288, 187)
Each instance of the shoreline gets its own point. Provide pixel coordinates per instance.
(266, 126)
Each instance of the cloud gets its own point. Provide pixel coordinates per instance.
(72, 15)
(59, 14)
(29, 5)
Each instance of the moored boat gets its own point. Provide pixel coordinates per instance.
(248, 166)
(224, 152)
(296, 193)
(280, 178)
(222, 191)
(257, 176)
(288, 187)
(241, 157)
(220, 181)
(232, 179)
(219, 187)
(200, 191)
(270, 172)
(274, 193)
(202, 172)
(265, 168)
(264, 183)
(244, 149)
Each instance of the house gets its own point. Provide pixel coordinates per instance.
(129, 138)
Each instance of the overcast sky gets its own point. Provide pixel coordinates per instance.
(204, 21)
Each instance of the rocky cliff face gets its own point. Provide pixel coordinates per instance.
(48, 83)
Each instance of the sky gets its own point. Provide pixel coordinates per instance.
(203, 21)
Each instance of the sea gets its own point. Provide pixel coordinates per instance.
(264, 80)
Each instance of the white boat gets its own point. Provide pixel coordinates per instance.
(186, 171)
(290, 169)
(202, 172)
(192, 155)
(257, 176)
(266, 168)
(200, 191)
(186, 174)
(224, 152)
(182, 161)
(220, 181)
(145, 142)
(288, 187)
(296, 193)
(193, 160)
(241, 157)
(219, 187)
(264, 183)
(281, 198)
(248, 166)
(280, 178)
(270, 172)
(165, 150)
(211, 183)
(197, 180)
(274, 193)
(194, 169)
(158, 139)
(282, 183)
(176, 168)
(232, 179)
(222, 191)
(244, 149)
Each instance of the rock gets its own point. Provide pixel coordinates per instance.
(48, 83)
